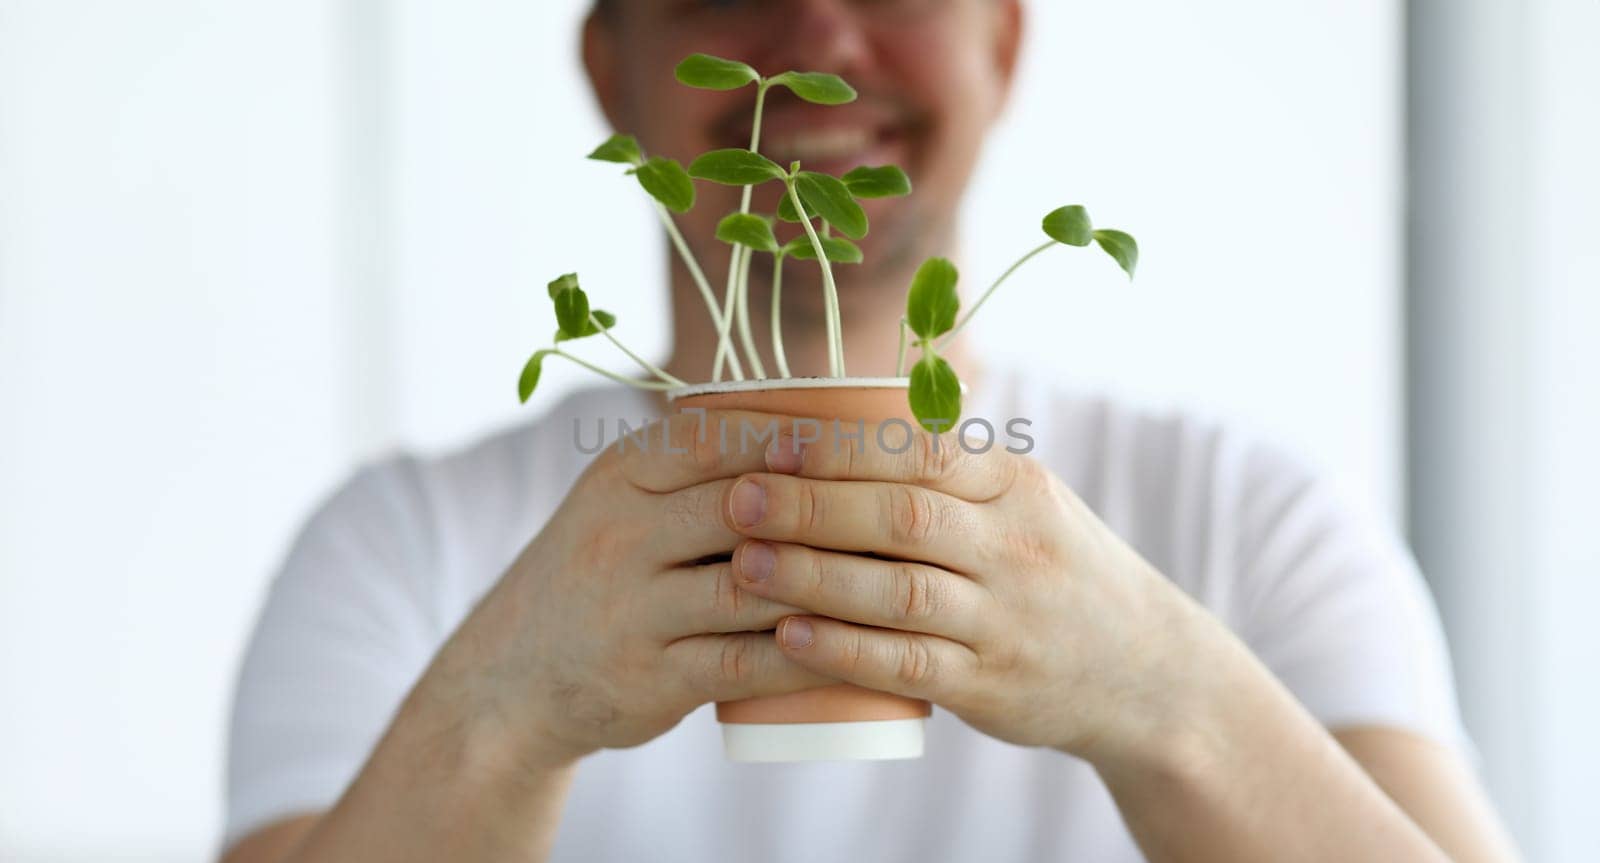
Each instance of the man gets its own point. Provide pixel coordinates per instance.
(1151, 638)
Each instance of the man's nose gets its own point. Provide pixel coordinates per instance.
(823, 36)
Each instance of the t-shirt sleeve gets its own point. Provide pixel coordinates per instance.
(344, 633)
(1335, 606)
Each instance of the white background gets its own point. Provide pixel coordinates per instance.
(245, 246)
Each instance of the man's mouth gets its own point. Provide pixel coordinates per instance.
(830, 140)
(814, 147)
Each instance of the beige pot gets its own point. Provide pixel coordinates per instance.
(842, 721)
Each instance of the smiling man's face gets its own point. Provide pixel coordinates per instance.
(932, 74)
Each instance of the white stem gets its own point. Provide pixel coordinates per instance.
(777, 306)
(945, 342)
(900, 359)
(755, 128)
(750, 352)
(643, 363)
(830, 292)
(725, 352)
(643, 385)
(724, 344)
(700, 281)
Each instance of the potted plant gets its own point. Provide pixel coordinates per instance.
(839, 721)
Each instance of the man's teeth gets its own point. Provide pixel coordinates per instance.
(821, 145)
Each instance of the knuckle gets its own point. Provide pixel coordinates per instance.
(916, 597)
(627, 458)
(728, 602)
(818, 574)
(847, 452)
(912, 515)
(705, 451)
(1029, 476)
(916, 666)
(854, 656)
(1023, 549)
(735, 661)
(588, 707)
(598, 554)
(933, 459)
(810, 506)
(1035, 550)
(610, 467)
(1006, 657)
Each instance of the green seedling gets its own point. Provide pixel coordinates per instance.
(933, 302)
(747, 168)
(576, 320)
(820, 204)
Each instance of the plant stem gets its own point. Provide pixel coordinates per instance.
(755, 130)
(724, 344)
(944, 342)
(777, 306)
(745, 338)
(900, 359)
(829, 289)
(644, 385)
(700, 282)
(643, 363)
(725, 351)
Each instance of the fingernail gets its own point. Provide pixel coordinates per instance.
(749, 504)
(784, 455)
(795, 632)
(757, 561)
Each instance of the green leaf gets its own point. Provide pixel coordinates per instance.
(607, 320)
(838, 249)
(1069, 225)
(885, 182)
(1120, 246)
(735, 167)
(829, 198)
(572, 312)
(786, 210)
(667, 182)
(530, 375)
(932, 302)
(747, 230)
(566, 282)
(714, 73)
(935, 394)
(622, 149)
(819, 88)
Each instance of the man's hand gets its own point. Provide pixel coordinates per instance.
(981, 583)
(616, 620)
(622, 615)
(991, 590)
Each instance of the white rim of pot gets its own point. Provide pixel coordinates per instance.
(769, 384)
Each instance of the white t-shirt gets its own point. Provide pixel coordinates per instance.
(389, 566)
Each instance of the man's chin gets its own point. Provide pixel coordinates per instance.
(899, 242)
(863, 291)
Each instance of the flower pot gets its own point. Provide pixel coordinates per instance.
(841, 721)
